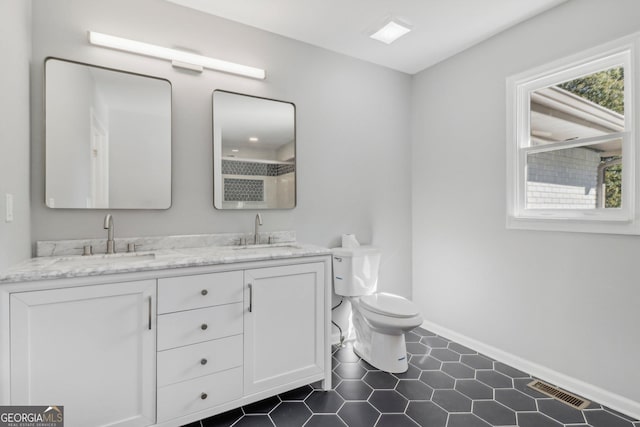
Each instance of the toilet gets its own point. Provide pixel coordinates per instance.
(380, 319)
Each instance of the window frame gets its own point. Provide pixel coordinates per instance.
(624, 220)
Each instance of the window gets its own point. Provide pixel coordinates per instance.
(571, 155)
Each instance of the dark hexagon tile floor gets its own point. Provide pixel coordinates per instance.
(447, 385)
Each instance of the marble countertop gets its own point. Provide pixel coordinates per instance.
(57, 267)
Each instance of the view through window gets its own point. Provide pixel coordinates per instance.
(575, 154)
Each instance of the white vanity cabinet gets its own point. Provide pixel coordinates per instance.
(88, 348)
(284, 325)
(165, 346)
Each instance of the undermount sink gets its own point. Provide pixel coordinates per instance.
(93, 260)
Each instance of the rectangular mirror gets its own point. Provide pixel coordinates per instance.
(107, 137)
(254, 152)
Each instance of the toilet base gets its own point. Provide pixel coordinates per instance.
(385, 352)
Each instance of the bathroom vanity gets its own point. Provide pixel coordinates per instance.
(164, 338)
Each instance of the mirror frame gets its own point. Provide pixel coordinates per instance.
(214, 153)
(171, 183)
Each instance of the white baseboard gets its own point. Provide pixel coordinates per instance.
(574, 385)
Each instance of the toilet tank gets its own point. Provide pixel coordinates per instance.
(355, 270)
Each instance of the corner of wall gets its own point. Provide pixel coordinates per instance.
(15, 25)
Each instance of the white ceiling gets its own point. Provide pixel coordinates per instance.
(441, 28)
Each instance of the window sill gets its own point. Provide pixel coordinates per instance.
(573, 225)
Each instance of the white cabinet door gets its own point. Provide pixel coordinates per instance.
(284, 325)
(90, 349)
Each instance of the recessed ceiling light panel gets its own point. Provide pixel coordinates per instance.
(391, 31)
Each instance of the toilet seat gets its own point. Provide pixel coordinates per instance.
(389, 305)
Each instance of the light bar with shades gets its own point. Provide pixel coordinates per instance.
(391, 31)
(178, 58)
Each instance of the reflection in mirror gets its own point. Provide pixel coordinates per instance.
(108, 138)
(253, 152)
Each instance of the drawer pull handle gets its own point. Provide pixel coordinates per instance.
(150, 311)
(204, 326)
(203, 396)
(250, 297)
(203, 361)
(204, 292)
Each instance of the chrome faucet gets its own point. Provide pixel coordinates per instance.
(108, 225)
(256, 236)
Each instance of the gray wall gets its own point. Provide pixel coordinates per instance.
(352, 127)
(15, 51)
(568, 302)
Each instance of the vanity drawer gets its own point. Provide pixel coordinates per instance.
(203, 290)
(194, 326)
(201, 393)
(185, 363)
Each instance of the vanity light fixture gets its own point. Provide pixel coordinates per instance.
(391, 31)
(178, 58)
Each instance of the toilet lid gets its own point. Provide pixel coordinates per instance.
(389, 305)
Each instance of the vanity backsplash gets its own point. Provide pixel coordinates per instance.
(47, 248)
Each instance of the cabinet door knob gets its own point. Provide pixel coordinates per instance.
(203, 361)
(204, 326)
(203, 396)
(204, 292)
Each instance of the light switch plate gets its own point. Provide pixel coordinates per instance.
(9, 207)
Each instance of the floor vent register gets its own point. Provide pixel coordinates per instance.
(561, 395)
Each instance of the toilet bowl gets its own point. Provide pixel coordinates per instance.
(379, 319)
(380, 328)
